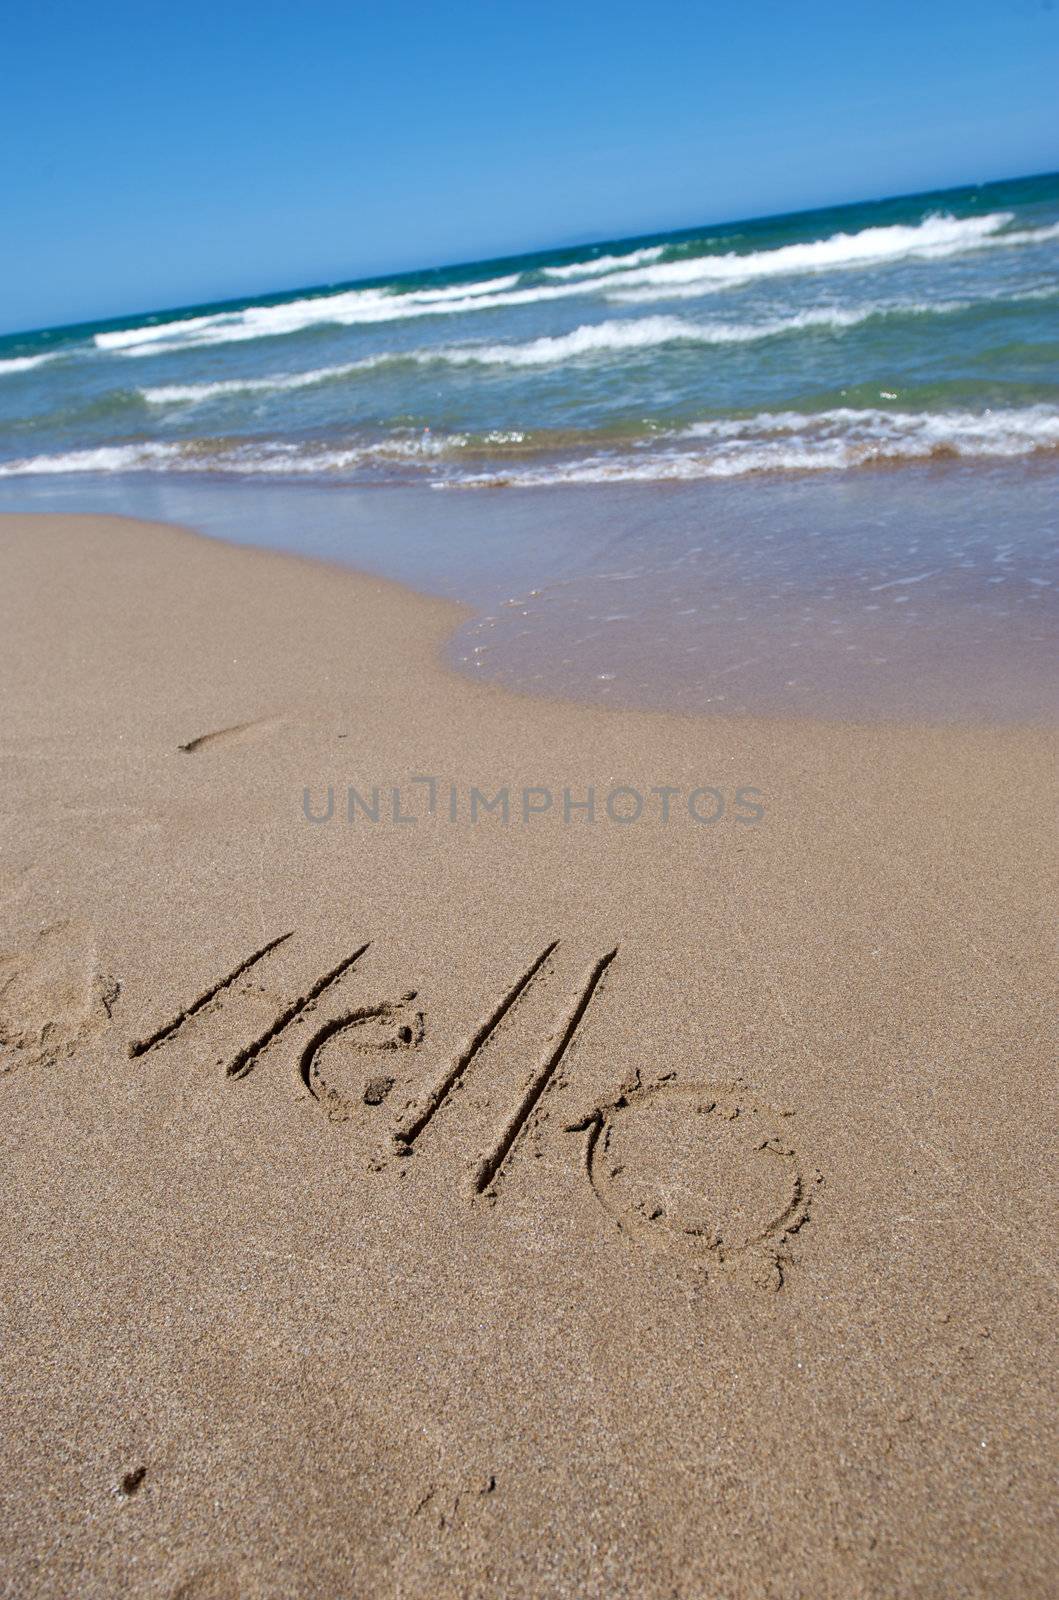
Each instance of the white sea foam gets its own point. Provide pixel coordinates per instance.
(1026, 235)
(268, 457)
(792, 441)
(344, 310)
(461, 291)
(14, 364)
(593, 266)
(590, 340)
(107, 458)
(605, 338)
(723, 447)
(932, 239)
(194, 393)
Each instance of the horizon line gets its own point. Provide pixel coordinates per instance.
(370, 279)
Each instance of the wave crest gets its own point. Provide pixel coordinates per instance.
(937, 236)
(827, 441)
(594, 266)
(590, 340)
(834, 440)
(13, 364)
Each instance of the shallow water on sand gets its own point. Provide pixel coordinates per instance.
(920, 593)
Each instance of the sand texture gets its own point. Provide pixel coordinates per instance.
(449, 1208)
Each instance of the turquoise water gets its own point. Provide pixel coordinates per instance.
(684, 436)
(903, 330)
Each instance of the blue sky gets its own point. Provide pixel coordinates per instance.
(156, 155)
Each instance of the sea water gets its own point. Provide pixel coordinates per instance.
(800, 463)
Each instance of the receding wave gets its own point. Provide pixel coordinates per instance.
(832, 441)
(252, 458)
(786, 441)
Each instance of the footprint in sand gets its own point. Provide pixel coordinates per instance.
(53, 994)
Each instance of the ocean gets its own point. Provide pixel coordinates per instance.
(764, 373)
(896, 330)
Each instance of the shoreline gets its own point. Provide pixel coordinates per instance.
(371, 1221)
(933, 602)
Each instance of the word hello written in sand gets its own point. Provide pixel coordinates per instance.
(702, 1170)
(622, 804)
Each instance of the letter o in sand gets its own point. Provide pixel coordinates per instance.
(703, 1171)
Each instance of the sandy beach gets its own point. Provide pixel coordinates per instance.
(657, 1202)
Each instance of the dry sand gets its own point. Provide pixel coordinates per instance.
(724, 1267)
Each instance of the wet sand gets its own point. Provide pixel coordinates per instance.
(922, 593)
(541, 1207)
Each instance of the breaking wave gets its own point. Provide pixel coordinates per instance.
(12, 364)
(786, 441)
(590, 340)
(828, 441)
(595, 265)
(935, 237)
